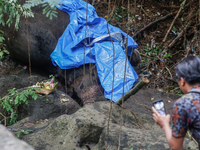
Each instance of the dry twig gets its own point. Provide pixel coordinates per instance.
(144, 106)
(152, 23)
(169, 71)
(136, 118)
(145, 12)
(179, 36)
(182, 5)
(145, 55)
(4, 119)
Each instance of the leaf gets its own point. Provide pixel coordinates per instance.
(50, 16)
(35, 96)
(27, 103)
(182, 19)
(26, 132)
(26, 93)
(5, 51)
(47, 14)
(22, 132)
(47, 8)
(44, 5)
(54, 14)
(1, 54)
(17, 100)
(23, 97)
(17, 22)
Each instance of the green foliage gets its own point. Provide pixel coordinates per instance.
(13, 99)
(120, 13)
(139, 24)
(152, 52)
(14, 11)
(167, 55)
(2, 46)
(48, 6)
(179, 93)
(22, 132)
(51, 76)
(174, 29)
(182, 19)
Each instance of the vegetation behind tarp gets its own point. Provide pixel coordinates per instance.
(166, 32)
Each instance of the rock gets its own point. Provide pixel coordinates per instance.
(88, 90)
(88, 128)
(138, 139)
(15, 81)
(135, 58)
(43, 37)
(131, 138)
(9, 142)
(48, 106)
(85, 88)
(74, 131)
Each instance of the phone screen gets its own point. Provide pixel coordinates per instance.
(159, 106)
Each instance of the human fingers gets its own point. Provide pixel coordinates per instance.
(155, 117)
(155, 111)
(168, 118)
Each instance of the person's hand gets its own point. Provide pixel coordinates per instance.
(159, 119)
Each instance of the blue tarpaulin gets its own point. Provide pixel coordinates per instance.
(89, 35)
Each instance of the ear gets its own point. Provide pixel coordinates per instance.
(182, 81)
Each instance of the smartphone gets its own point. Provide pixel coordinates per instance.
(160, 107)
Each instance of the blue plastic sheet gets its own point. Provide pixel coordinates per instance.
(88, 36)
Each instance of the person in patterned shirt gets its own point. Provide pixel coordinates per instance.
(186, 110)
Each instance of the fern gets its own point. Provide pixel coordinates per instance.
(15, 11)
(49, 7)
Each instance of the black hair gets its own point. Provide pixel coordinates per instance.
(189, 69)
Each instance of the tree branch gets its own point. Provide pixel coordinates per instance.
(182, 5)
(137, 87)
(154, 22)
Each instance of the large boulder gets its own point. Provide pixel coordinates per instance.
(87, 129)
(49, 106)
(76, 130)
(9, 142)
(43, 37)
(15, 81)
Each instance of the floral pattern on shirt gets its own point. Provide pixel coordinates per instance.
(186, 115)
